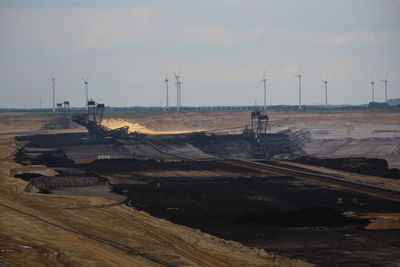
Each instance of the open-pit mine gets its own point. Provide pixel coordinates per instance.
(205, 188)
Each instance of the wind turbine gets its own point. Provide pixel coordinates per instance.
(326, 90)
(166, 85)
(53, 79)
(299, 76)
(373, 90)
(178, 84)
(386, 82)
(180, 93)
(86, 82)
(265, 90)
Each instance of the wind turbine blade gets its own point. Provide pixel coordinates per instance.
(387, 73)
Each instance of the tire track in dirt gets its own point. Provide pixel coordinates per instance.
(176, 244)
(111, 243)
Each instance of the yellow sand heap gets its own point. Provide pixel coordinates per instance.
(117, 123)
(136, 127)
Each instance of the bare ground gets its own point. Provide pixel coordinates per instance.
(29, 241)
(40, 230)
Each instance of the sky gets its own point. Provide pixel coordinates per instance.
(221, 49)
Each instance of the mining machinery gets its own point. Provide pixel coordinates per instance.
(259, 123)
(257, 133)
(63, 119)
(66, 115)
(258, 126)
(92, 122)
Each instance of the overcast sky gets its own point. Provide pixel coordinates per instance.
(220, 47)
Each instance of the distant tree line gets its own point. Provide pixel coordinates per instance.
(211, 108)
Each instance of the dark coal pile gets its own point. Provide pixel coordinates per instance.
(234, 145)
(126, 165)
(281, 144)
(242, 146)
(27, 176)
(279, 214)
(215, 204)
(370, 166)
(73, 172)
(314, 216)
(55, 140)
(56, 158)
(222, 145)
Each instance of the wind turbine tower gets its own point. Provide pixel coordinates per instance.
(180, 93)
(166, 85)
(264, 80)
(177, 82)
(326, 90)
(86, 82)
(53, 80)
(386, 82)
(299, 76)
(373, 90)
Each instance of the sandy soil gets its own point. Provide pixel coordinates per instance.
(207, 120)
(382, 220)
(35, 237)
(117, 123)
(13, 122)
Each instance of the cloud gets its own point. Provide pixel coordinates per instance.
(78, 28)
(220, 35)
(210, 35)
(349, 38)
(117, 26)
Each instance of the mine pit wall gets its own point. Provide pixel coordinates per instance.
(236, 208)
(70, 181)
(240, 146)
(42, 176)
(300, 137)
(375, 137)
(63, 149)
(281, 145)
(57, 151)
